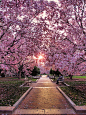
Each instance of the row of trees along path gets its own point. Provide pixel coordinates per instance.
(55, 28)
(44, 96)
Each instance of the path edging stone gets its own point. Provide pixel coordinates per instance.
(44, 112)
(78, 109)
(22, 97)
(6, 109)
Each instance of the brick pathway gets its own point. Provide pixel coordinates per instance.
(44, 95)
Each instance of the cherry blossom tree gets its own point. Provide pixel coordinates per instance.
(65, 24)
(54, 28)
(18, 33)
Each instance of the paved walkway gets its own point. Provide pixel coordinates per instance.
(44, 98)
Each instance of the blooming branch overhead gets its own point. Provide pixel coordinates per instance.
(56, 28)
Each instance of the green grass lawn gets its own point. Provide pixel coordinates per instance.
(10, 92)
(11, 82)
(84, 77)
(33, 79)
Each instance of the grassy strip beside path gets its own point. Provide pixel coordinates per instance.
(76, 91)
(10, 92)
(75, 83)
(33, 79)
(78, 97)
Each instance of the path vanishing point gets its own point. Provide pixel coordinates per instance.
(44, 98)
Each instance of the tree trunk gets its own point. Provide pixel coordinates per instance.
(20, 70)
(71, 76)
(19, 75)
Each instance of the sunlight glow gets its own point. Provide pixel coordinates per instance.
(40, 57)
